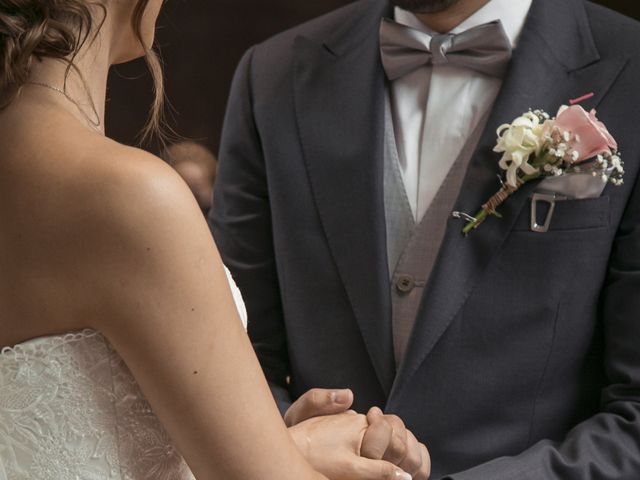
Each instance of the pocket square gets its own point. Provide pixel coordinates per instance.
(577, 186)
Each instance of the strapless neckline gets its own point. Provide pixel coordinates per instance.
(235, 291)
(32, 343)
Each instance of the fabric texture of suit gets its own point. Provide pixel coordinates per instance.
(524, 362)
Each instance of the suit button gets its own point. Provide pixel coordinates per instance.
(405, 283)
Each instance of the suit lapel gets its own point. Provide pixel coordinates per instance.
(556, 60)
(339, 100)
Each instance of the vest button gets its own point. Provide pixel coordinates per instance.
(405, 283)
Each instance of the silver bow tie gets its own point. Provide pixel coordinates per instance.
(485, 49)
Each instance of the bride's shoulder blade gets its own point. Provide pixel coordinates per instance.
(93, 218)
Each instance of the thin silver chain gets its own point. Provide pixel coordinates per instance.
(95, 124)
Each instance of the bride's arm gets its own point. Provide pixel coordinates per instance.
(152, 281)
(157, 289)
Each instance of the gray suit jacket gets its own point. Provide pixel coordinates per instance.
(525, 359)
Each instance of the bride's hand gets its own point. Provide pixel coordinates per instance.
(332, 444)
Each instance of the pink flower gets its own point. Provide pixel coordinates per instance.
(589, 136)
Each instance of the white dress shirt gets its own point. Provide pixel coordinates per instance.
(434, 118)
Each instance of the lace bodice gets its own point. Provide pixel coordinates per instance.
(71, 410)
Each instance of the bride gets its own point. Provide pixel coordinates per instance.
(100, 237)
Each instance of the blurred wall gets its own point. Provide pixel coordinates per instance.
(201, 42)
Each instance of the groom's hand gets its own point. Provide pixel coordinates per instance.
(318, 403)
(388, 439)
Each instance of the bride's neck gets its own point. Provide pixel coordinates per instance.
(85, 83)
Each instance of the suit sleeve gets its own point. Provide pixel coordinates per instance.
(241, 224)
(607, 445)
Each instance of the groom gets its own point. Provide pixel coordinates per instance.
(350, 140)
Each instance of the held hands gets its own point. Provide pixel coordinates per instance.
(402, 447)
(344, 445)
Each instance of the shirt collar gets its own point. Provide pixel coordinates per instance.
(512, 14)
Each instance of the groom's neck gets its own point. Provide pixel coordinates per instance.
(447, 20)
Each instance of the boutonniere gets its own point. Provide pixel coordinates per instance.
(535, 145)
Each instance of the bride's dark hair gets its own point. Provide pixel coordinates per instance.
(36, 29)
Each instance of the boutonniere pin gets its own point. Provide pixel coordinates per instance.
(535, 145)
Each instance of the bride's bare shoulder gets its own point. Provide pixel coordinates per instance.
(128, 174)
(66, 172)
(123, 185)
(91, 194)
(90, 213)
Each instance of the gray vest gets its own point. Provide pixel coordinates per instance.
(412, 249)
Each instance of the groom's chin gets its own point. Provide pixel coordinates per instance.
(424, 6)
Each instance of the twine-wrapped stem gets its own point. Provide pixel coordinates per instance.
(490, 208)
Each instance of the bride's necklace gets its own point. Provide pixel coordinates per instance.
(95, 124)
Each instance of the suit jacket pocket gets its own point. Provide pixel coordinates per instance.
(571, 214)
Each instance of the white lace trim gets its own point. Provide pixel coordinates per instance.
(32, 347)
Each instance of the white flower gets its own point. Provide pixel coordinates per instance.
(616, 162)
(518, 142)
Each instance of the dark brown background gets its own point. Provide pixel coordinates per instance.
(201, 43)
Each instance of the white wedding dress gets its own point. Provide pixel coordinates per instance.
(71, 410)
